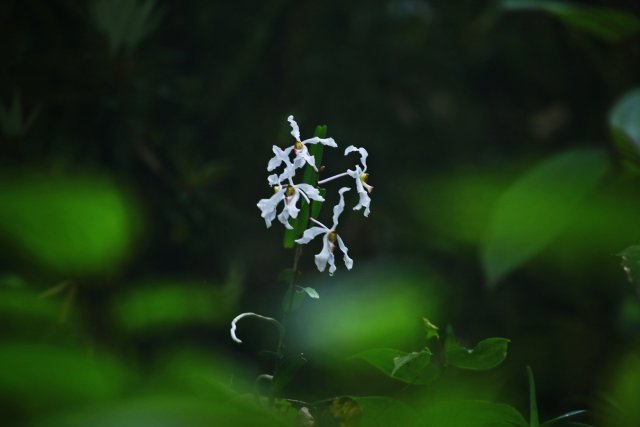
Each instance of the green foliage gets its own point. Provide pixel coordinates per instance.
(487, 354)
(125, 22)
(410, 368)
(471, 413)
(75, 226)
(533, 400)
(164, 305)
(286, 370)
(45, 376)
(537, 207)
(379, 411)
(624, 123)
(631, 264)
(611, 25)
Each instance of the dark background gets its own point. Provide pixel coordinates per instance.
(453, 101)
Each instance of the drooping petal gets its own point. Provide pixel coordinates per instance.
(310, 234)
(303, 157)
(363, 154)
(311, 192)
(291, 205)
(337, 209)
(332, 264)
(365, 200)
(323, 257)
(330, 142)
(295, 130)
(269, 206)
(283, 217)
(348, 262)
(280, 156)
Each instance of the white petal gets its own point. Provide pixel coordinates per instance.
(322, 258)
(268, 207)
(365, 200)
(295, 130)
(284, 219)
(363, 154)
(310, 234)
(311, 192)
(348, 262)
(324, 141)
(337, 209)
(332, 264)
(273, 179)
(280, 156)
(291, 205)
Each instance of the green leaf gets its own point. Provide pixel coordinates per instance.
(430, 329)
(470, 413)
(562, 419)
(537, 207)
(294, 303)
(411, 368)
(611, 25)
(624, 122)
(533, 400)
(300, 223)
(311, 292)
(80, 226)
(285, 276)
(487, 354)
(286, 371)
(380, 411)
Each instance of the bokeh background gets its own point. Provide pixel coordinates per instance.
(134, 142)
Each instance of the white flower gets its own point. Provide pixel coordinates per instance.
(289, 194)
(299, 148)
(330, 237)
(361, 176)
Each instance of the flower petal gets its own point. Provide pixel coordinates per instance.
(332, 264)
(291, 205)
(324, 141)
(365, 200)
(348, 262)
(337, 209)
(310, 234)
(323, 257)
(269, 206)
(280, 156)
(295, 130)
(284, 219)
(311, 192)
(363, 154)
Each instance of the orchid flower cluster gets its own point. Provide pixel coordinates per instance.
(287, 194)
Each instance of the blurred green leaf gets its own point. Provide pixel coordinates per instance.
(533, 400)
(380, 411)
(411, 368)
(562, 420)
(471, 413)
(537, 207)
(611, 25)
(624, 121)
(310, 177)
(285, 276)
(165, 305)
(286, 371)
(292, 304)
(430, 329)
(487, 354)
(77, 226)
(311, 292)
(41, 375)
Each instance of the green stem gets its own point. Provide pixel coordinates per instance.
(285, 315)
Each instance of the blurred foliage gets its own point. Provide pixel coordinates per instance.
(504, 150)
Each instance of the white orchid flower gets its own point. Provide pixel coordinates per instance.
(299, 148)
(329, 240)
(361, 176)
(289, 194)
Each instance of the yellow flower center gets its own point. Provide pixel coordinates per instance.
(364, 177)
(290, 191)
(298, 145)
(332, 236)
(276, 188)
